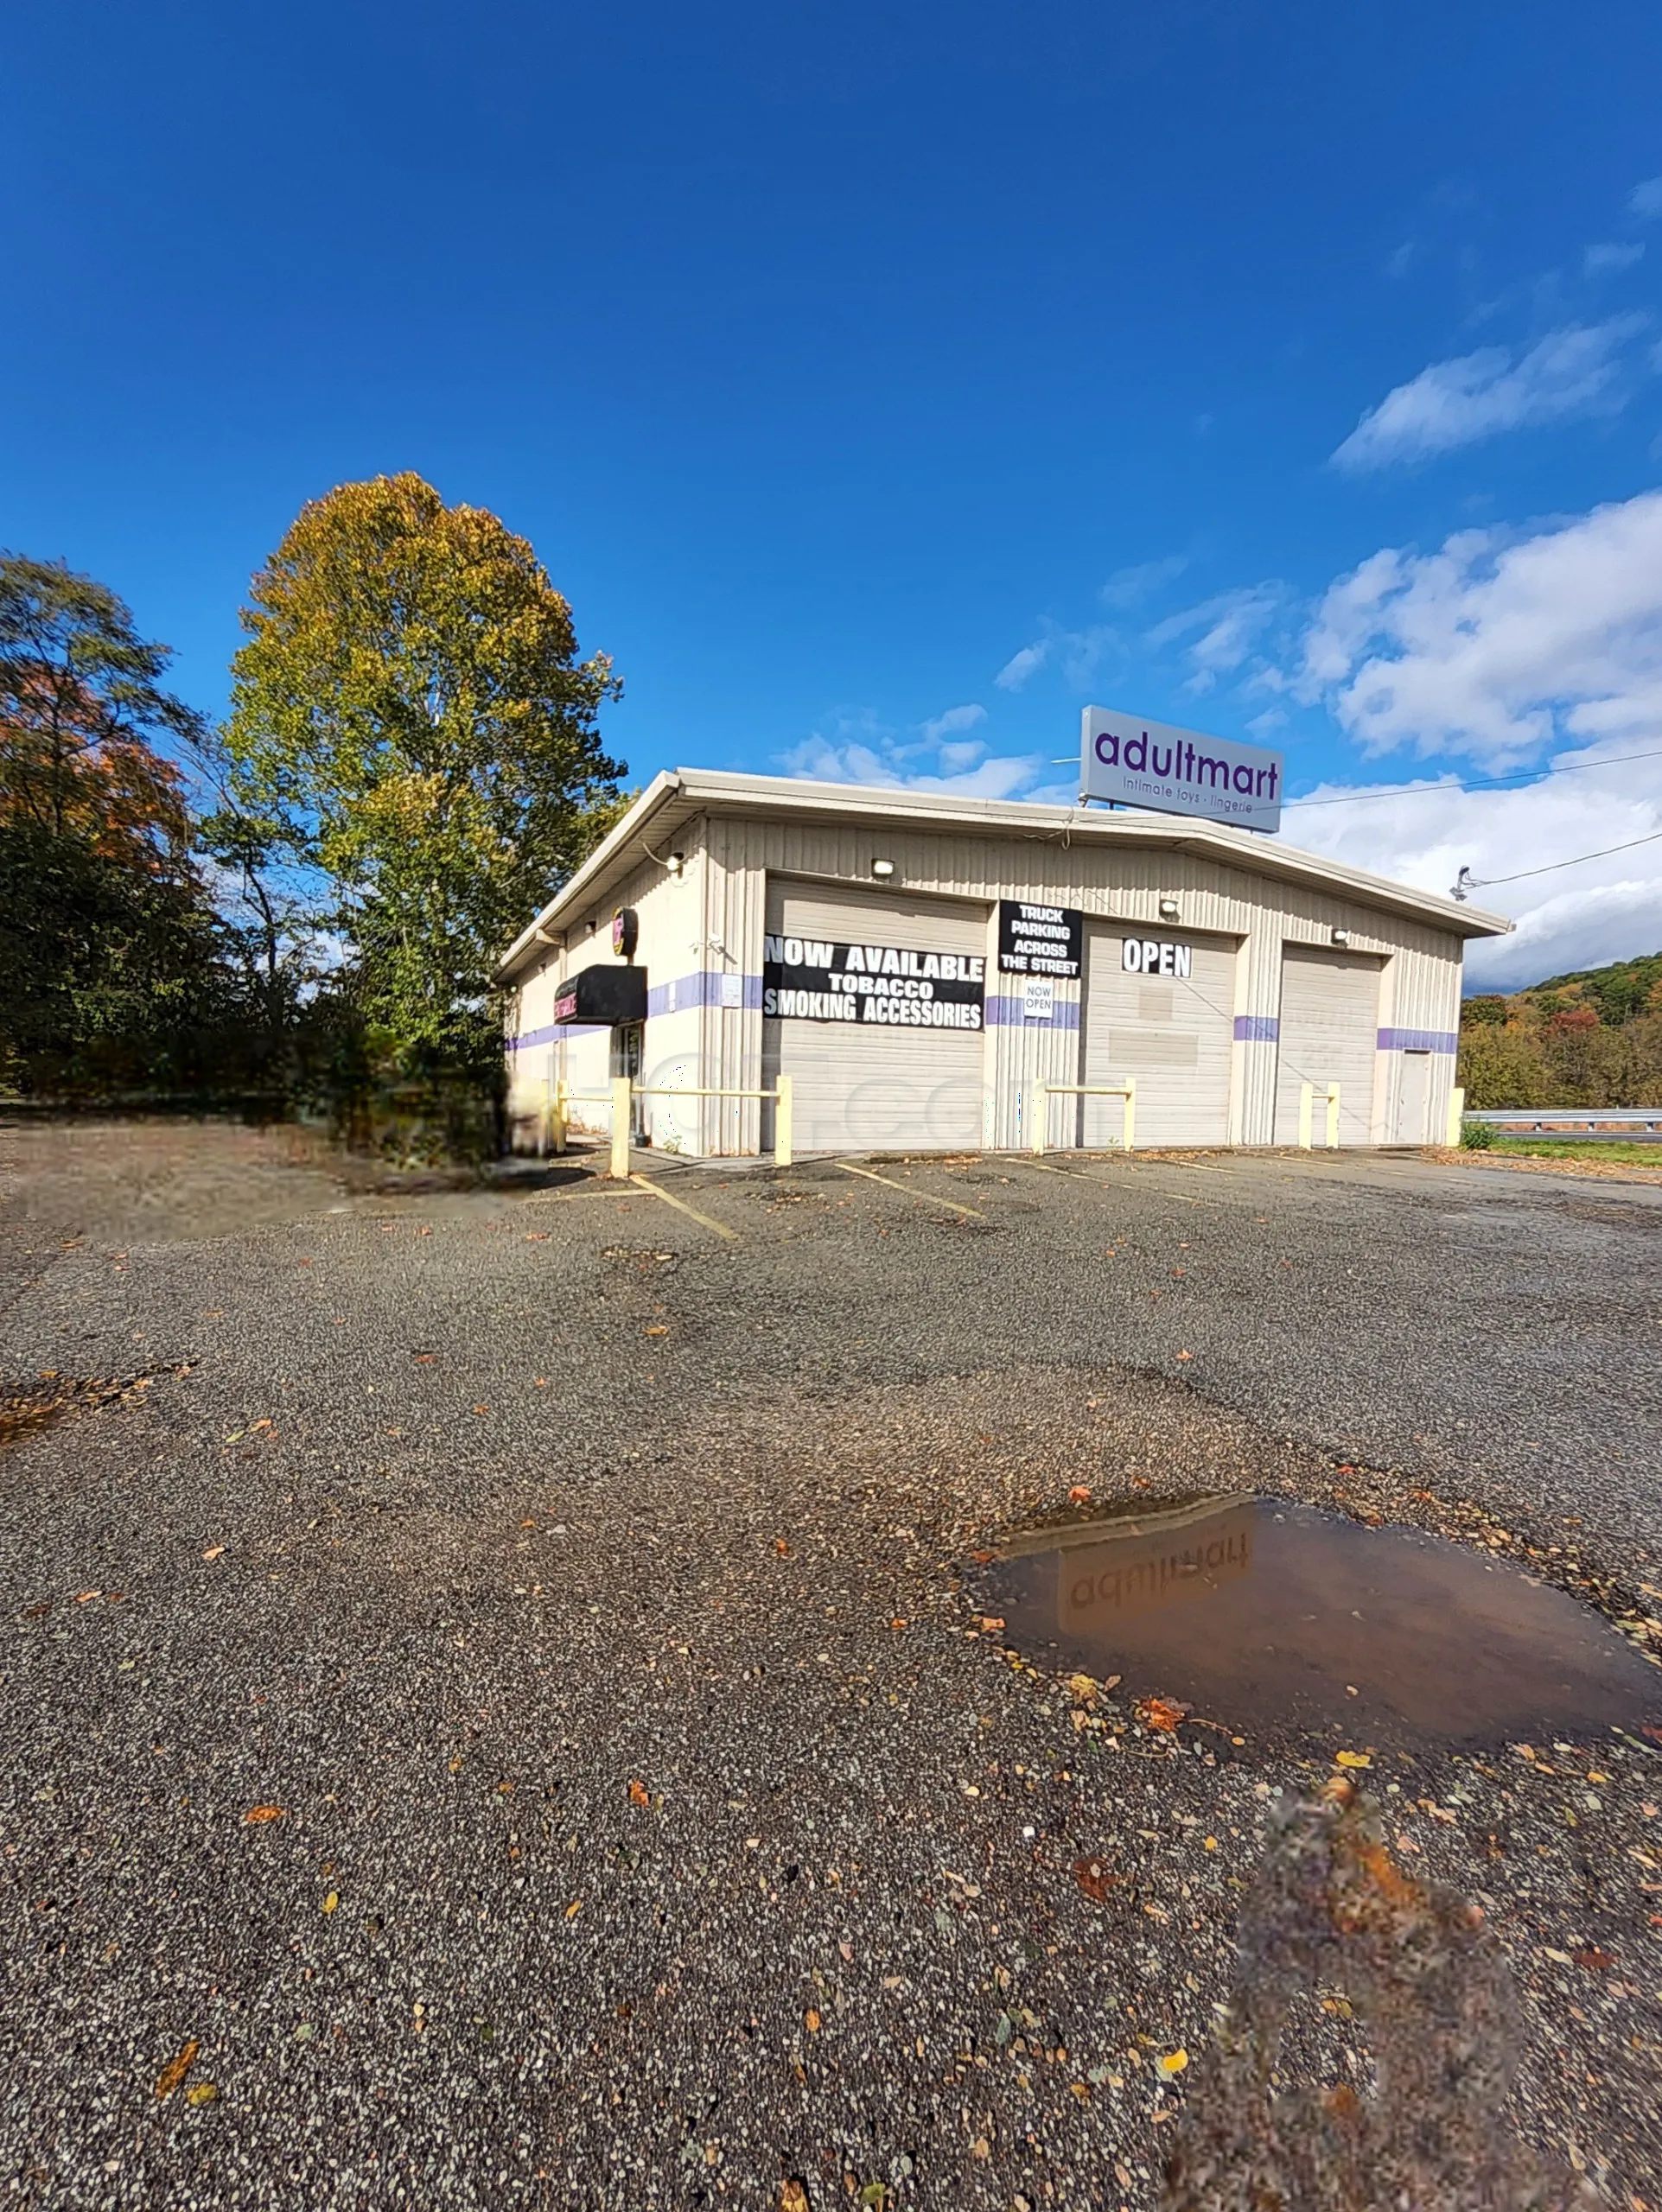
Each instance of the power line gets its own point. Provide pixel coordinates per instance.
(1466, 881)
(1480, 783)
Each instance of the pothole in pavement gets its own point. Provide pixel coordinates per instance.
(1257, 1612)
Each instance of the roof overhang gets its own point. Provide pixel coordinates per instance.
(677, 795)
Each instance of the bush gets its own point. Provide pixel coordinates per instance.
(1476, 1136)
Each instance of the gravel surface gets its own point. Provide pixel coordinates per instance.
(583, 1602)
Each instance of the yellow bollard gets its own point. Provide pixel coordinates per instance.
(1333, 1117)
(1130, 1111)
(1306, 1094)
(1040, 1103)
(621, 1106)
(557, 1125)
(783, 1104)
(1456, 1116)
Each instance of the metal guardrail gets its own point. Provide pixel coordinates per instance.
(1552, 1120)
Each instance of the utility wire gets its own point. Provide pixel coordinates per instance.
(1479, 784)
(1470, 882)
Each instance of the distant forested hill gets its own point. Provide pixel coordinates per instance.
(1591, 1039)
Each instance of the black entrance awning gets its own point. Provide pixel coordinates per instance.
(608, 994)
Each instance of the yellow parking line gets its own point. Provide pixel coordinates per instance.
(906, 1191)
(597, 1187)
(681, 1206)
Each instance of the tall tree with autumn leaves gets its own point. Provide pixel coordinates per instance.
(111, 974)
(411, 720)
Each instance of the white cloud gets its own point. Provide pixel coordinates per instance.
(1575, 371)
(1604, 260)
(1644, 200)
(1076, 652)
(1229, 627)
(1021, 667)
(1602, 910)
(857, 749)
(948, 724)
(1130, 587)
(1497, 645)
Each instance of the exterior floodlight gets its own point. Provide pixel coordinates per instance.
(882, 869)
(1341, 936)
(1168, 910)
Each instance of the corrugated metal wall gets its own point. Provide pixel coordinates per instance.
(711, 922)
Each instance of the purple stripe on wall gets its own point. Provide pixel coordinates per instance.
(1418, 1040)
(703, 988)
(1258, 1028)
(551, 1035)
(1006, 1013)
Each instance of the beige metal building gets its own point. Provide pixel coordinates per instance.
(931, 971)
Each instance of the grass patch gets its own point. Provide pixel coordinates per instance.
(1630, 1155)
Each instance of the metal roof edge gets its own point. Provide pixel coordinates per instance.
(723, 787)
(663, 785)
(1255, 853)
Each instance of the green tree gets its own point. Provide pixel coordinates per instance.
(411, 719)
(109, 950)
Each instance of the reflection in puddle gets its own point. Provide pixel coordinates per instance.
(1257, 1610)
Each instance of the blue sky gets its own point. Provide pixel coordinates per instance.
(882, 383)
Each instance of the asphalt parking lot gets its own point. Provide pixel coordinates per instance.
(576, 1584)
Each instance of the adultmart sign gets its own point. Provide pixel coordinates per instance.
(818, 979)
(1177, 770)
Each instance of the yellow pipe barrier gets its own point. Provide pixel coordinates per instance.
(1333, 1117)
(1044, 1092)
(1456, 1115)
(622, 1093)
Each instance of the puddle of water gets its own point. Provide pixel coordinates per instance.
(1257, 1612)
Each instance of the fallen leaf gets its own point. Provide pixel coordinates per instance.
(1083, 1686)
(257, 1815)
(638, 1794)
(898, 1621)
(781, 1548)
(34, 1612)
(658, 1329)
(574, 1908)
(1095, 1878)
(202, 2093)
(810, 2021)
(423, 1359)
(85, 1597)
(175, 2071)
(481, 1409)
(332, 1900)
(1173, 2062)
(793, 2195)
(536, 1236)
(214, 1551)
(1593, 1957)
(991, 1622)
(1162, 1713)
(1080, 1494)
(1186, 1355)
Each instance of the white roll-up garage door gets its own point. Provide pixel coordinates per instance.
(874, 1006)
(1330, 1033)
(1162, 1009)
